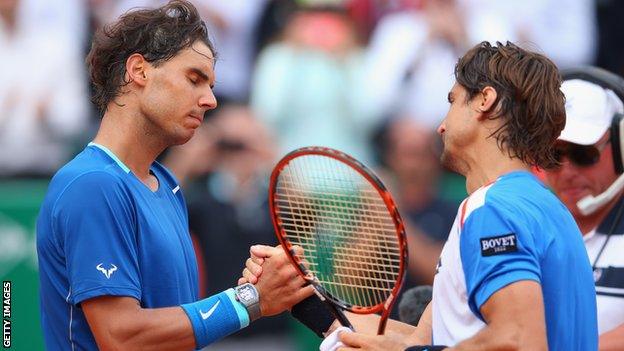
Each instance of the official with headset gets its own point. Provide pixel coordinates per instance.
(590, 151)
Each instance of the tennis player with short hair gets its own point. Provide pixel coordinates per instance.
(117, 266)
(513, 274)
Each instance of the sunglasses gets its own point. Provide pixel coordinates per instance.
(580, 155)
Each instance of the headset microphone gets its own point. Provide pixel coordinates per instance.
(589, 204)
(615, 83)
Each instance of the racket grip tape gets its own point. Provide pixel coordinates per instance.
(314, 314)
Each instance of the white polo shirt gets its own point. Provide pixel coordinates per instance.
(608, 272)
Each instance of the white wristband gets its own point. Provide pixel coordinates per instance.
(331, 343)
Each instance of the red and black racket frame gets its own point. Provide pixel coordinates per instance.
(332, 302)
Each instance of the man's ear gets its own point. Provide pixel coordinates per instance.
(136, 69)
(484, 102)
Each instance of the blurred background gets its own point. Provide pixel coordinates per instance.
(368, 77)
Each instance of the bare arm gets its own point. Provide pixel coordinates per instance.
(398, 335)
(367, 324)
(362, 323)
(612, 340)
(519, 325)
(119, 323)
(424, 331)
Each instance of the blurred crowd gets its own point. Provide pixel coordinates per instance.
(368, 77)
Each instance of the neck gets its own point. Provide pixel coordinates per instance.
(487, 163)
(122, 133)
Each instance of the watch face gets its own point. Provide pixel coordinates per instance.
(246, 294)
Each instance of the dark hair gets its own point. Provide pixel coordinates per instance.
(529, 99)
(157, 34)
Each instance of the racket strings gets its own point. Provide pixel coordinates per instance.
(343, 224)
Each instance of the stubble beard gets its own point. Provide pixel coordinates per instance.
(452, 163)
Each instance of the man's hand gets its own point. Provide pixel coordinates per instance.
(253, 265)
(279, 284)
(359, 341)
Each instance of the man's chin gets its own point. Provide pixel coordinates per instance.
(449, 162)
(572, 196)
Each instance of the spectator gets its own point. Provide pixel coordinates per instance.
(43, 101)
(233, 23)
(586, 150)
(411, 52)
(411, 154)
(307, 86)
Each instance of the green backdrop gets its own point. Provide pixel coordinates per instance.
(19, 205)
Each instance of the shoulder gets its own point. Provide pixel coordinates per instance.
(86, 172)
(509, 196)
(88, 176)
(85, 188)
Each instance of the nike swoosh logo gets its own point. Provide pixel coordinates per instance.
(206, 315)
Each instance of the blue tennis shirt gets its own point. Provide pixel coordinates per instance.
(512, 230)
(101, 231)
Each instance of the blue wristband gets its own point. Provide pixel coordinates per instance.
(216, 317)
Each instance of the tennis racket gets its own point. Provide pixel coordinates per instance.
(353, 239)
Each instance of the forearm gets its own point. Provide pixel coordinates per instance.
(153, 329)
(120, 323)
(612, 340)
(368, 323)
(424, 330)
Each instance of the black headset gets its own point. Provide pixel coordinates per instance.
(615, 83)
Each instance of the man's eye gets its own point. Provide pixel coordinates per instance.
(193, 81)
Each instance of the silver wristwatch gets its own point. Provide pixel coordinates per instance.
(249, 297)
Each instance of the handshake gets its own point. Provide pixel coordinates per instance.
(282, 288)
(278, 283)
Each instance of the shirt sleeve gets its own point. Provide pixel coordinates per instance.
(95, 219)
(496, 250)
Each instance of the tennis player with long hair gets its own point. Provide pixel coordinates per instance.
(117, 267)
(513, 274)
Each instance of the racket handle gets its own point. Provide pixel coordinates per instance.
(382, 325)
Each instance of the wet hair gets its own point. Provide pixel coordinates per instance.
(158, 34)
(529, 100)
